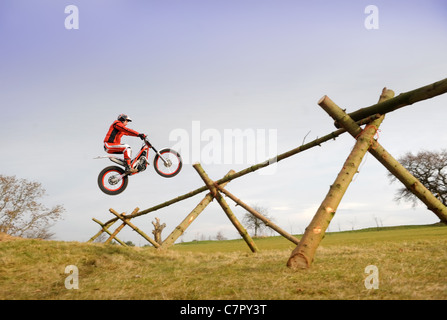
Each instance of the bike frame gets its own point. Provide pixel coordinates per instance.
(150, 146)
(147, 145)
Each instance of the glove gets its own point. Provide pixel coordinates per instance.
(142, 136)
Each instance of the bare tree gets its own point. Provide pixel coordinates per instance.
(254, 223)
(220, 236)
(430, 168)
(378, 222)
(20, 212)
(101, 238)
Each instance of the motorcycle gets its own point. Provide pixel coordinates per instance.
(113, 180)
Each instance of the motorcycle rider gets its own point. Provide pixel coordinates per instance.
(112, 141)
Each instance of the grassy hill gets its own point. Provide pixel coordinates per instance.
(411, 262)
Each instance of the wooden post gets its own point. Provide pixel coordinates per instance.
(124, 218)
(141, 233)
(402, 100)
(180, 229)
(267, 222)
(399, 171)
(104, 229)
(103, 225)
(158, 228)
(226, 208)
(112, 236)
(303, 255)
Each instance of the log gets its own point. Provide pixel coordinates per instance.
(180, 229)
(104, 229)
(141, 233)
(112, 236)
(267, 222)
(393, 166)
(226, 208)
(303, 255)
(402, 100)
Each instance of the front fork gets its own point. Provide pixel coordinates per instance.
(167, 163)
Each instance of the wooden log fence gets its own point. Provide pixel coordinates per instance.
(255, 213)
(105, 229)
(387, 160)
(303, 255)
(402, 100)
(315, 143)
(126, 219)
(225, 207)
(180, 229)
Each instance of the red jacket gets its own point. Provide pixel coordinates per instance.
(116, 131)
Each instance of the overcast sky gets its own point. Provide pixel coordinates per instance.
(210, 66)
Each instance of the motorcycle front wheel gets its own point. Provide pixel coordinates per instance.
(170, 165)
(111, 182)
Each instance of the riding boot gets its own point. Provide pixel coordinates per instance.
(128, 167)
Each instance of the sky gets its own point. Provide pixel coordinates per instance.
(189, 71)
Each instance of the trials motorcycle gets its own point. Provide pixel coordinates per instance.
(113, 180)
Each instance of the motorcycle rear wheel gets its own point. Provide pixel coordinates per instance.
(109, 183)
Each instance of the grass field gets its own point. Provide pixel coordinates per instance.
(411, 263)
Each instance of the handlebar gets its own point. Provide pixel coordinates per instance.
(147, 142)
